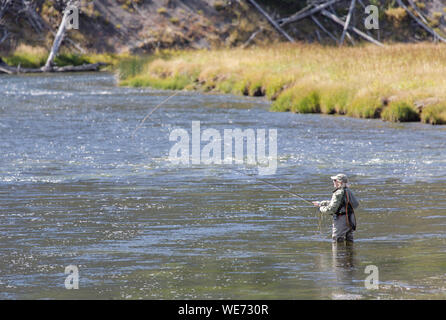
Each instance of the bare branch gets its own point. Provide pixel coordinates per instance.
(297, 17)
(425, 27)
(316, 21)
(5, 35)
(253, 35)
(274, 23)
(358, 32)
(414, 7)
(347, 21)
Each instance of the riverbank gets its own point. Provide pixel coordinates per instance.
(35, 57)
(401, 82)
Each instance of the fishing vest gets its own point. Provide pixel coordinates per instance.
(342, 210)
(342, 207)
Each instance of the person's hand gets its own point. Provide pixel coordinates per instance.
(316, 203)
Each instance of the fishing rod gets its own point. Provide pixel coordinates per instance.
(275, 186)
(264, 181)
(285, 190)
(261, 180)
(153, 110)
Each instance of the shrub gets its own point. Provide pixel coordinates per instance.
(300, 99)
(366, 104)
(396, 15)
(66, 59)
(283, 102)
(274, 85)
(162, 10)
(437, 15)
(241, 87)
(27, 57)
(334, 100)
(420, 4)
(225, 86)
(400, 111)
(219, 5)
(434, 114)
(131, 67)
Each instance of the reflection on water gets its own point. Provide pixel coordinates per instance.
(75, 188)
(343, 264)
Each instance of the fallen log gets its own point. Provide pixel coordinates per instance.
(279, 21)
(296, 17)
(5, 68)
(81, 68)
(355, 30)
(271, 20)
(421, 104)
(316, 21)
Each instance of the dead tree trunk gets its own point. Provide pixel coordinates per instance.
(347, 21)
(49, 65)
(57, 40)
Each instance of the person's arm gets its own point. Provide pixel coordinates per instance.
(321, 203)
(324, 203)
(334, 203)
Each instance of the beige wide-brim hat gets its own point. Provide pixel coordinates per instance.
(340, 177)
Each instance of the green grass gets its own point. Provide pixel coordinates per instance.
(299, 99)
(352, 81)
(24, 61)
(365, 105)
(400, 111)
(334, 100)
(35, 57)
(67, 59)
(131, 67)
(33, 61)
(173, 83)
(27, 57)
(434, 114)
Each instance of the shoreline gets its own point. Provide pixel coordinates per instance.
(396, 85)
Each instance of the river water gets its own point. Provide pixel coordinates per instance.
(77, 189)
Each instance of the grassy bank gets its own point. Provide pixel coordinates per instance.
(396, 83)
(35, 57)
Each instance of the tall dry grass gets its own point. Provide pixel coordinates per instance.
(27, 56)
(356, 81)
(35, 57)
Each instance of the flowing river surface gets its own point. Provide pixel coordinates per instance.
(77, 189)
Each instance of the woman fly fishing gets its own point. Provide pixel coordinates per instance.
(341, 206)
